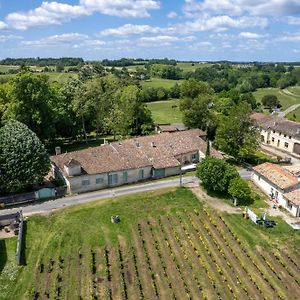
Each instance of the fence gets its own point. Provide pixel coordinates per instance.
(33, 196)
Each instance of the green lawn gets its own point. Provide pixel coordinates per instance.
(284, 99)
(159, 82)
(162, 111)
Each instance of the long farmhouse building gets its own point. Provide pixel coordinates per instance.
(130, 160)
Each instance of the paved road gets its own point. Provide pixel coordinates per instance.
(288, 110)
(52, 205)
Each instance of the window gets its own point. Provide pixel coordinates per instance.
(273, 131)
(125, 176)
(285, 135)
(289, 205)
(141, 174)
(290, 137)
(99, 180)
(194, 156)
(85, 182)
(112, 178)
(258, 178)
(273, 139)
(279, 133)
(286, 145)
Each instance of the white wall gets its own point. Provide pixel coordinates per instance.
(172, 171)
(76, 186)
(266, 186)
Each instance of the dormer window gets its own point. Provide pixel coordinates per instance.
(73, 167)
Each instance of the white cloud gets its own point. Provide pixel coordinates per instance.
(239, 7)
(121, 8)
(293, 20)
(251, 35)
(49, 13)
(172, 15)
(54, 13)
(289, 37)
(213, 23)
(130, 29)
(160, 39)
(5, 38)
(58, 39)
(2, 25)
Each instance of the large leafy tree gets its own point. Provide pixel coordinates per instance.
(29, 97)
(23, 158)
(215, 174)
(129, 115)
(196, 106)
(237, 134)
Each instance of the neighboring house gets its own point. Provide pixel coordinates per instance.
(130, 160)
(279, 133)
(168, 127)
(279, 184)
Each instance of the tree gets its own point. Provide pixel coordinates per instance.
(193, 88)
(237, 134)
(23, 158)
(129, 115)
(196, 106)
(270, 101)
(29, 97)
(240, 190)
(215, 174)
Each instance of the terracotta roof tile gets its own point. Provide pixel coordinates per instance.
(293, 196)
(159, 151)
(277, 175)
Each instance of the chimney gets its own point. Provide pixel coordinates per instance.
(153, 144)
(57, 150)
(137, 144)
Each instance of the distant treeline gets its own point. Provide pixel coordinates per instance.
(125, 62)
(43, 62)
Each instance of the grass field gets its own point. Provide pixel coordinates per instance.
(285, 100)
(53, 76)
(162, 111)
(167, 246)
(295, 89)
(187, 66)
(159, 82)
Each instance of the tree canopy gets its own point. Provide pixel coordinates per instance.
(215, 174)
(23, 158)
(270, 101)
(237, 134)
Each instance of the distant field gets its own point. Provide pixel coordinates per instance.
(294, 89)
(187, 66)
(162, 111)
(159, 82)
(285, 100)
(5, 68)
(168, 245)
(59, 77)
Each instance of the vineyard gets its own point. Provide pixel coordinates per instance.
(169, 246)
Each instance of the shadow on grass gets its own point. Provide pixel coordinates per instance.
(228, 198)
(23, 245)
(3, 254)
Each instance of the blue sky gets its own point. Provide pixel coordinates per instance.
(240, 30)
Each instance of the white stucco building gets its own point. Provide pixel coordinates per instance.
(279, 184)
(129, 161)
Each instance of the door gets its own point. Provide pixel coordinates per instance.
(159, 173)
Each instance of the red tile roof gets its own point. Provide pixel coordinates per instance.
(159, 151)
(276, 175)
